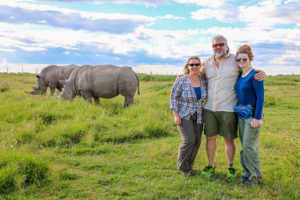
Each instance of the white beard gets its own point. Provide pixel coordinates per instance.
(219, 55)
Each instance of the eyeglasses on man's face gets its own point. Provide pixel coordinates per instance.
(194, 64)
(218, 44)
(243, 59)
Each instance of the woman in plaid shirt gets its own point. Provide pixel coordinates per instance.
(186, 103)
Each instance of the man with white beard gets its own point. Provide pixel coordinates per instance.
(222, 73)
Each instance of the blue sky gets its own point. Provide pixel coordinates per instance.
(153, 36)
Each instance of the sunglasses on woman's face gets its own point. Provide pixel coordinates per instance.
(194, 64)
(243, 59)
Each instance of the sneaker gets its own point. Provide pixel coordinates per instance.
(231, 173)
(208, 171)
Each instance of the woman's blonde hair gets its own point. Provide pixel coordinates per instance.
(186, 67)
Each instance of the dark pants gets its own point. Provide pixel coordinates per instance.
(191, 139)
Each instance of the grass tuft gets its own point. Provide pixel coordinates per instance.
(19, 170)
(4, 87)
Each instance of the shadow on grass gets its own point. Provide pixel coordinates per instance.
(148, 133)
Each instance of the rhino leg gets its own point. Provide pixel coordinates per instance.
(96, 100)
(86, 95)
(128, 100)
(52, 88)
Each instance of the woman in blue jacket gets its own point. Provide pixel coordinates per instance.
(250, 93)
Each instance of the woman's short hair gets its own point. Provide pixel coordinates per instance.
(186, 67)
(246, 49)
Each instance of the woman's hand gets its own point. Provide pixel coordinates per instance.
(177, 119)
(255, 123)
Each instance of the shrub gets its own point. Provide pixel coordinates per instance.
(48, 118)
(71, 138)
(7, 180)
(156, 131)
(19, 170)
(68, 176)
(270, 101)
(4, 87)
(34, 169)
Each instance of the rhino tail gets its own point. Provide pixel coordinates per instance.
(138, 82)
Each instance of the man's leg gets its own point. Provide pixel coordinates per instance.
(211, 146)
(229, 150)
(211, 129)
(228, 123)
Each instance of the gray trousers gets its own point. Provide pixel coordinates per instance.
(191, 139)
(249, 155)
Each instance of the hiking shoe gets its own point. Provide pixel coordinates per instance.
(231, 173)
(208, 171)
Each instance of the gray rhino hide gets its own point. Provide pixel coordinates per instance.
(50, 76)
(101, 81)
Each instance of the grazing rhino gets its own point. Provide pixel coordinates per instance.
(50, 76)
(101, 81)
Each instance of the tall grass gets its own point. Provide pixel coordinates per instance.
(56, 149)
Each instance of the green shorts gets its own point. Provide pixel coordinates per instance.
(219, 122)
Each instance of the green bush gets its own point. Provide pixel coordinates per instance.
(7, 180)
(21, 170)
(34, 168)
(270, 101)
(4, 87)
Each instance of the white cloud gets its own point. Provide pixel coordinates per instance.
(288, 57)
(27, 13)
(19, 67)
(270, 13)
(169, 16)
(266, 13)
(7, 50)
(224, 15)
(204, 3)
(158, 69)
(156, 43)
(146, 2)
(32, 48)
(279, 69)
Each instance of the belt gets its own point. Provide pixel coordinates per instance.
(246, 105)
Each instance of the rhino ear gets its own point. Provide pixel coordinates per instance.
(37, 76)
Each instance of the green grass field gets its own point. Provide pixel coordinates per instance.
(55, 149)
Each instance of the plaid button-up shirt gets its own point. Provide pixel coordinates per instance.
(184, 101)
